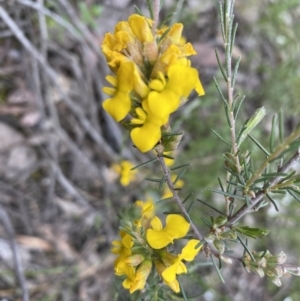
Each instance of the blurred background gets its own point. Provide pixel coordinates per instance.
(60, 153)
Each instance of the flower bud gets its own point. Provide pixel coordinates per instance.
(219, 245)
(135, 259)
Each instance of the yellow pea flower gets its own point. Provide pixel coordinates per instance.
(159, 237)
(147, 208)
(124, 170)
(181, 81)
(149, 133)
(128, 79)
(174, 285)
(123, 249)
(137, 281)
(141, 28)
(178, 267)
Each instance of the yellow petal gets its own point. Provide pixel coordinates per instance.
(156, 224)
(146, 136)
(162, 104)
(176, 226)
(169, 274)
(140, 28)
(189, 252)
(117, 106)
(112, 80)
(174, 285)
(158, 239)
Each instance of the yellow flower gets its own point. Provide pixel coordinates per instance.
(140, 27)
(181, 81)
(147, 209)
(123, 249)
(148, 134)
(124, 169)
(178, 267)
(159, 237)
(174, 285)
(128, 79)
(137, 281)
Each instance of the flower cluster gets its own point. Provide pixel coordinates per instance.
(143, 247)
(152, 77)
(273, 266)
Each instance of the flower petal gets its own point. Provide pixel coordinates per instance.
(176, 226)
(146, 136)
(158, 239)
(189, 252)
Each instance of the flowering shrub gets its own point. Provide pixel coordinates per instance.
(152, 79)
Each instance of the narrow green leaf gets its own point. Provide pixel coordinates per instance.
(162, 182)
(150, 8)
(138, 11)
(281, 126)
(232, 206)
(250, 124)
(182, 291)
(220, 183)
(226, 194)
(232, 42)
(190, 207)
(187, 198)
(272, 201)
(164, 200)
(252, 232)
(219, 136)
(259, 145)
(217, 268)
(206, 222)
(236, 68)
(239, 107)
(220, 92)
(210, 206)
(179, 176)
(142, 164)
(161, 3)
(180, 166)
(168, 157)
(294, 195)
(221, 14)
(164, 35)
(165, 20)
(220, 65)
(246, 248)
(153, 180)
(272, 137)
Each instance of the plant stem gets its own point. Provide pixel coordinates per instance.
(259, 196)
(230, 89)
(295, 135)
(170, 184)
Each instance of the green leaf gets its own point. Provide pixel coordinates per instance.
(210, 206)
(252, 232)
(180, 166)
(259, 145)
(144, 163)
(272, 137)
(219, 136)
(171, 141)
(138, 11)
(250, 124)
